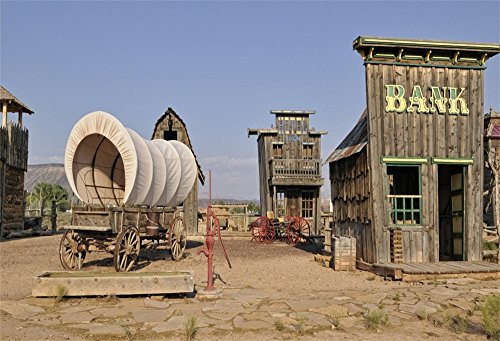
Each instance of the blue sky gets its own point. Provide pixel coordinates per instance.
(221, 65)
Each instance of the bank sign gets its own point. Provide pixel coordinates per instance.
(436, 99)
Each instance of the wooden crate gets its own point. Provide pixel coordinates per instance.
(343, 253)
(80, 283)
(327, 247)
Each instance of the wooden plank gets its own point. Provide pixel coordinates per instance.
(479, 276)
(87, 228)
(387, 270)
(79, 283)
(458, 267)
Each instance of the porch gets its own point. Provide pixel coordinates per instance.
(414, 272)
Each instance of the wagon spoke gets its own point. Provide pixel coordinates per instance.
(123, 262)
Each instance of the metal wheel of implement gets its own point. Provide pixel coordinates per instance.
(263, 230)
(268, 234)
(177, 238)
(71, 250)
(298, 230)
(127, 248)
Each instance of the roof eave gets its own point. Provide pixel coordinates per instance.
(365, 41)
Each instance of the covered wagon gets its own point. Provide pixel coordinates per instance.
(131, 188)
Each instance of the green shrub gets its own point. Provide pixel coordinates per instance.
(279, 325)
(491, 316)
(489, 246)
(376, 318)
(190, 327)
(60, 293)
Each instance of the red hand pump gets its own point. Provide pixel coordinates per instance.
(213, 227)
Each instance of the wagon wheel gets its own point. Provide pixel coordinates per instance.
(298, 230)
(268, 234)
(128, 246)
(263, 230)
(71, 250)
(177, 238)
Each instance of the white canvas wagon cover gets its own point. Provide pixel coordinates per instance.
(109, 164)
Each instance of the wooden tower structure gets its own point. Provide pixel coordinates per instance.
(13, 162)
(290, 167)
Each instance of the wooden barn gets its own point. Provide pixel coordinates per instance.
(290, 167)
(170, 126)
(13, 163)
(407, 181)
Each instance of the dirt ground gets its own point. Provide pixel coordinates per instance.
(276, 275)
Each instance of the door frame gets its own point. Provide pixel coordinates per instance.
(464, 172)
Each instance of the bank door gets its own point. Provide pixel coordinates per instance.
(457, 214)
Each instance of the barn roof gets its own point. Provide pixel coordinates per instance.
(13, 104)
(354, 142)
(171, 111)
(492, 123)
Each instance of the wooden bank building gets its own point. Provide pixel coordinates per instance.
(407, 181)
(290, 178)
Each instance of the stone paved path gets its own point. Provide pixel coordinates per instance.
(432, 310)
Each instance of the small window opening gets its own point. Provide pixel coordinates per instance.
(307, 204)
(277, 151)
(404, 196)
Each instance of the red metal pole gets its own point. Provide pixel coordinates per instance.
(209, 238)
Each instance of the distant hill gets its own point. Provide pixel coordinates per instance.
(51, 173)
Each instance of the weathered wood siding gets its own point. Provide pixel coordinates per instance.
(190, 204)
(350, 194)
(13, 164)
(265, 196)
(425, 135)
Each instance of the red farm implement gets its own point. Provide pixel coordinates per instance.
(293, 230)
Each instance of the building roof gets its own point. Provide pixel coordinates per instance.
(363, 41)
(13, 104)
(317, 132)
(292, 112)
(266, 131)
(492, 123)
(171, 111)
(430, 53)
(354, 142)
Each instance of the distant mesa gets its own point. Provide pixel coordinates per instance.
(50, 172)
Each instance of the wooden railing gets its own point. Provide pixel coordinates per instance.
(295, 168)
(14, 145)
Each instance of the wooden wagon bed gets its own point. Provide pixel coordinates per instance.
(412, 272)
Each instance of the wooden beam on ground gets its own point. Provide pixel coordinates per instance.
(79, 283)
(386, 270)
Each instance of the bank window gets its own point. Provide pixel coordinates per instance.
(307, 204)
(307, 151)
(280, 204)
(404, 195)
(277, 151)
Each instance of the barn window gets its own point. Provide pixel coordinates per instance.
(404, 195)
(307, 204)
(170, 135)
(277, 150)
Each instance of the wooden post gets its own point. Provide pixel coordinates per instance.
(20, 119)
(53, 216)
(4, 115)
